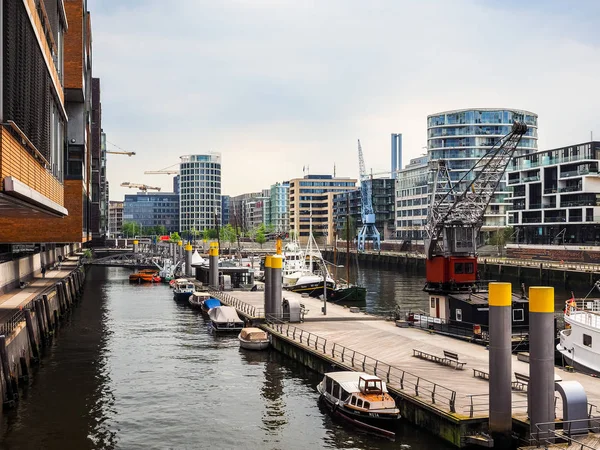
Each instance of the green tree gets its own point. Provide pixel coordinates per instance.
(260, 236)
(212, 233)
(349, 229)
(500, 237)
(161, 230)
(175, 236)
(130, 229)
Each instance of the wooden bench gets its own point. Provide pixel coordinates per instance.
(448, 359)
(452, 359)
(481, 374)
(521, 383)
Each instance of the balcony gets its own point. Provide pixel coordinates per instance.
(570, 188)
(535, 206)
(532, 219)
(531, 178)
(550, 190)
(514, 181)
(565, 204)
(518, 207)
(578, 172)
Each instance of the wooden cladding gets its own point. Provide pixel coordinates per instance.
(17, 162)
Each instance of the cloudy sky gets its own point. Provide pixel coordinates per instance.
(275, 85)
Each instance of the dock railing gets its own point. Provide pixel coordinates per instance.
(395, 376)
(547, 435)
(243, 307)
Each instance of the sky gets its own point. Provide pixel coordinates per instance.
(276, 86)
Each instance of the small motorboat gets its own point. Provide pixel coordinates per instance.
(253, 339)
(225, 318)
(210, 303)
(360, 399)
(197, 299)
(145, 276)
(182, 290)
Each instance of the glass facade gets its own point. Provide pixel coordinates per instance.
(200, 191)
(280, 212)
(152, 209)
(464, 136)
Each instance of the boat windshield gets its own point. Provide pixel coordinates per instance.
(372, 386)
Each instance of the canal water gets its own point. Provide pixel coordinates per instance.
(131, 369)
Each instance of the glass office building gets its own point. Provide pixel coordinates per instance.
(200, 191)
(152, 209)
(463, 136)
(280, 207)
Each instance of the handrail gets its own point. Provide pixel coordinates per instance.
(485, 406)
(243, 307)
(392, 374)
(559, 434)
(33, 149)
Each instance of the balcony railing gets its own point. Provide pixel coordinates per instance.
(532, 219)
(532, 178)
(564, 204)
(570, 188)
(514, 181)
(535, 206)
(550, 190)
(578, 172)
(552, 219)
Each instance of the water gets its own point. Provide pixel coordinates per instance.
(134, 370)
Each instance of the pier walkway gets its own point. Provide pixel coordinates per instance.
(18, 298)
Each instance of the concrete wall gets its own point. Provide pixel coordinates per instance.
(23, 269)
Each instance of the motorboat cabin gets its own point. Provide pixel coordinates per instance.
(197, 299)
(361, 399)
(182, 290)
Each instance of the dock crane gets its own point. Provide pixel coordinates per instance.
(120, 153)
(368, 230)
(165, 171)
(141, 187)
(456, 214)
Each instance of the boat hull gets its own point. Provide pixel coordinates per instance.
(382, 425)
(181, 297)
(312, 289)
(353, 294)
(227, 327)
(253, 345)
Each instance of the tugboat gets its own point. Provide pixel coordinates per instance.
(360, 399)
(145, 276)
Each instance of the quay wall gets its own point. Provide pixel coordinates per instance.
(450, 427)
(25, 268)
(545, 273)
(25, 334)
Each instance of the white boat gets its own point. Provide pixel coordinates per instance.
(225, 318)
(580, 340)
(361, 399)
(196, 300)
(253, 339)
(182, 289)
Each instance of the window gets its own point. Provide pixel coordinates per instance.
(329, 385)
(432, 302)
(587, 340)
(359, 403)
(366, 405)
(459, 315)
(353, 401)
(458, 268)
(518, 315)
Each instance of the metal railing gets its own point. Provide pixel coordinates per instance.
(395, 376)
(16, 318)
(477, 406)
(546, 434)
(587, 267)
(243, 307)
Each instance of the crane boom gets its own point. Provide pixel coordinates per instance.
(161, 172)
(141, 187)
(368, 230)
(120, 153)
(457, 210)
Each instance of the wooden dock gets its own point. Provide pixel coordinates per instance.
(450, 402)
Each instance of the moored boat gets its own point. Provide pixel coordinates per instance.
(225, 318)
(145, 276)
(210, 303)
(182, 290)
(348, 293)
(197, 299)
(360, 399)
(580, 340)
(253, 339)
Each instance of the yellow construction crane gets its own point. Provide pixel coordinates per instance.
(141, 187)
(121, 153)
(165, 171)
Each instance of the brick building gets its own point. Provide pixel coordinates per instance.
(45, 164)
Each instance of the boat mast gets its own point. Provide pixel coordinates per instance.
(310, 236)
(348, 238)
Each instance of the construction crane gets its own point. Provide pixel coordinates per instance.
(141, 187)
(120, 153)
(368, 230)
(456, 214)
(165, 171)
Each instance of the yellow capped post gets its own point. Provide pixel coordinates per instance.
(500, 294)
(276, 262)
(268, 261)
(136, 242)
(541, 299)
(188, 247)
(180, 243)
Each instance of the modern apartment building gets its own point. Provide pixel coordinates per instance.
(152, 209)
(280, 210)
(45, 165)
(239, 211)
(313, 195)
(412, 200)
(556, 195)
(383, 197)
(199, 192)
(463, 136)
(257, 212)
(115, 218)
(98, 179)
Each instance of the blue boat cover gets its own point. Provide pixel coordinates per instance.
(211, 303)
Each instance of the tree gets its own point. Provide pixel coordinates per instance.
(500, 237)
(349, 230)
(260, 236)
(161, 230)
(175, 236)
(130, 229)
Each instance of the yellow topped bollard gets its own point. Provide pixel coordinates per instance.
(276, 282)
(213, 265)
(500, 362)
(188, 247)
(267, 296)
(540, 389)
(214, 249)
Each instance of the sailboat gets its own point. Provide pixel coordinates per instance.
(310, 276)
(348, 292)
